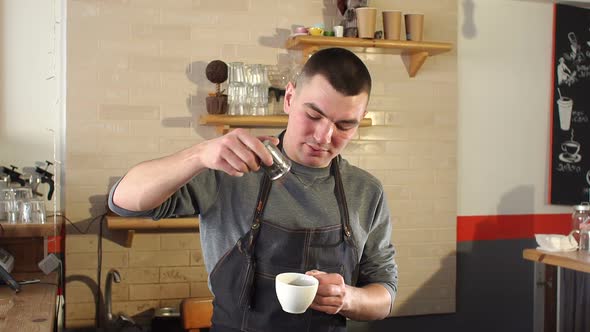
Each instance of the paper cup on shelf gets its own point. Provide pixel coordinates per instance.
(392, 24)
(365, 20)
(339, 31)
(414, 26)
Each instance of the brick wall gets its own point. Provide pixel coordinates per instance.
(135, 90)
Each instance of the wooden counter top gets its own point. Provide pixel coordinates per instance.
(33, 308)
(574, 260)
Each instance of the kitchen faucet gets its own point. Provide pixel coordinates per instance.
(120, 322)
(112, 274)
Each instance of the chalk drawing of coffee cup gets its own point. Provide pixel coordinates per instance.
(570, 152)
(570, 147)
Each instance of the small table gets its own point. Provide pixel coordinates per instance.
(31, 309)
(573, 260)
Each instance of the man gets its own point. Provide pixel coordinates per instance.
(326, 217)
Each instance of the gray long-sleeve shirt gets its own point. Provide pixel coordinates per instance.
(226, 206)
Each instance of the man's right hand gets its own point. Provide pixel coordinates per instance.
(236, 153)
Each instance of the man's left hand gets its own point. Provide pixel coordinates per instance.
(331, 297)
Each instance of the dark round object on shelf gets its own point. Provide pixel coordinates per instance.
(216, 71)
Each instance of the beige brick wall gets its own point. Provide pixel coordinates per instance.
(135, 90)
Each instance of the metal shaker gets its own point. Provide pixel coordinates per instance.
(581, 222)
(281, 164)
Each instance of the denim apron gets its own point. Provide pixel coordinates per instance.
(243, 281)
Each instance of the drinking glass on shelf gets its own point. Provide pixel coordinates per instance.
(237, 89)
(8, 211)
(258, 89)
(32, 211)
(278, 79)
(16, 194)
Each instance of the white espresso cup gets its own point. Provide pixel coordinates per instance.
(295, 291)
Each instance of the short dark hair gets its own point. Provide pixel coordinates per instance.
(343, 69)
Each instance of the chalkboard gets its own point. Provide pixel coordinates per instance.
(570, 128)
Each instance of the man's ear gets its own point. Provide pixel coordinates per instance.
(289, 95)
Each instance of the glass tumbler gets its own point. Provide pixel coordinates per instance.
(8, 211)
(32, 211)
(16, 194)
(237, 89)
(258, 89)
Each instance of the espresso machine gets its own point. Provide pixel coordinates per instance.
(10, 177)
(43, 176)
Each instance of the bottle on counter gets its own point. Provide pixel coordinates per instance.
(581, 222)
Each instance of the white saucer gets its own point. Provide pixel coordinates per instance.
(558, 250)
(294, 34)
(570, 158)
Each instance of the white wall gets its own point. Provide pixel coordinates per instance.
(505, 53)
(504, 85)
(31, 80)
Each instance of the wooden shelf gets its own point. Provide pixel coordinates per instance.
(413, 53)
(29, 230)
(131, 225)
(226, 122)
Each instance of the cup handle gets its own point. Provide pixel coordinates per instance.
(571, 238)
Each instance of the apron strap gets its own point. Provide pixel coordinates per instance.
(263, 194)
(341, 198)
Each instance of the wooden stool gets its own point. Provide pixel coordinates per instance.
(196, 313)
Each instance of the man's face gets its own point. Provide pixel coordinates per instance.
(321, 121)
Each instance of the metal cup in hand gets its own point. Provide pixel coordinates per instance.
(281, 164)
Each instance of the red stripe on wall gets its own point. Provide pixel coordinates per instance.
(504, 227)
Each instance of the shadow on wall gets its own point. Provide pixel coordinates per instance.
(468, 28)
(96, 225)
(90, 225)
(278, 40)
(97, 211)
(494, 283)
(195, 103)
(101, 317)
(90, 283)
(429, 290)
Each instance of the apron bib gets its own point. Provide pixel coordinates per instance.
(243, 281)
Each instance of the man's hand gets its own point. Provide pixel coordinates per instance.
(369, 302)
(331, 297)
(236, 153)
